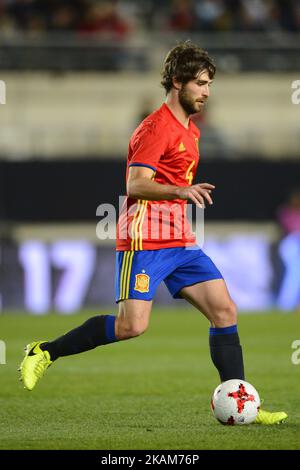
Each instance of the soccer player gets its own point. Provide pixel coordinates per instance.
(154, 240)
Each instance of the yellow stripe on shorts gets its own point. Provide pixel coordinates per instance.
(125, 274)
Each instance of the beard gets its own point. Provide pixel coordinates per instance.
(187, 102)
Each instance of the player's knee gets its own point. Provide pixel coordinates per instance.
(136, 330)
(131, 330)
(226, 315)
(232, 313)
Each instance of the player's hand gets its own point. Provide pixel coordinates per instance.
(197, 193)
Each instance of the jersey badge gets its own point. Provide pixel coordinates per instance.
(181, 147)
(142, 282)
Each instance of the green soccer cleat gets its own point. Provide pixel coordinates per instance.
(268, 418)
(34, 364)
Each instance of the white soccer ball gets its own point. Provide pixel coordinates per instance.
(235, 402)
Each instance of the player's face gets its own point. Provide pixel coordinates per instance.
(193, 95)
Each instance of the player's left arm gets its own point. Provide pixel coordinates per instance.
(140, 185)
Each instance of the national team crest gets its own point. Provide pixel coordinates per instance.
(142, 282)
(181, 147)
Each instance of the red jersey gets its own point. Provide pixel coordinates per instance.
(163, 144)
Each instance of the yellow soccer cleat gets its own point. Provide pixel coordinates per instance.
(268, 418)
(34, 364)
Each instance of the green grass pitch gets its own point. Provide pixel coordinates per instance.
(152, 392)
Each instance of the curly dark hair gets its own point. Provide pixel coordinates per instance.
(184, 62)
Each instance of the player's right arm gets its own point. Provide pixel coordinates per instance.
(140, 185)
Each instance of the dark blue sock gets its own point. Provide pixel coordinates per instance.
(226, 352)
(96, 331)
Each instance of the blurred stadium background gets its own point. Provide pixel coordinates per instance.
(79, 76)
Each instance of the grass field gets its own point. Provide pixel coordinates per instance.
(149, 393)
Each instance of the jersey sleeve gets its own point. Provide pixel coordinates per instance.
(148, 145)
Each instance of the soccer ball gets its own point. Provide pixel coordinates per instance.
(235, 402)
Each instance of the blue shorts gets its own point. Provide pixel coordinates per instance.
(139, 273)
